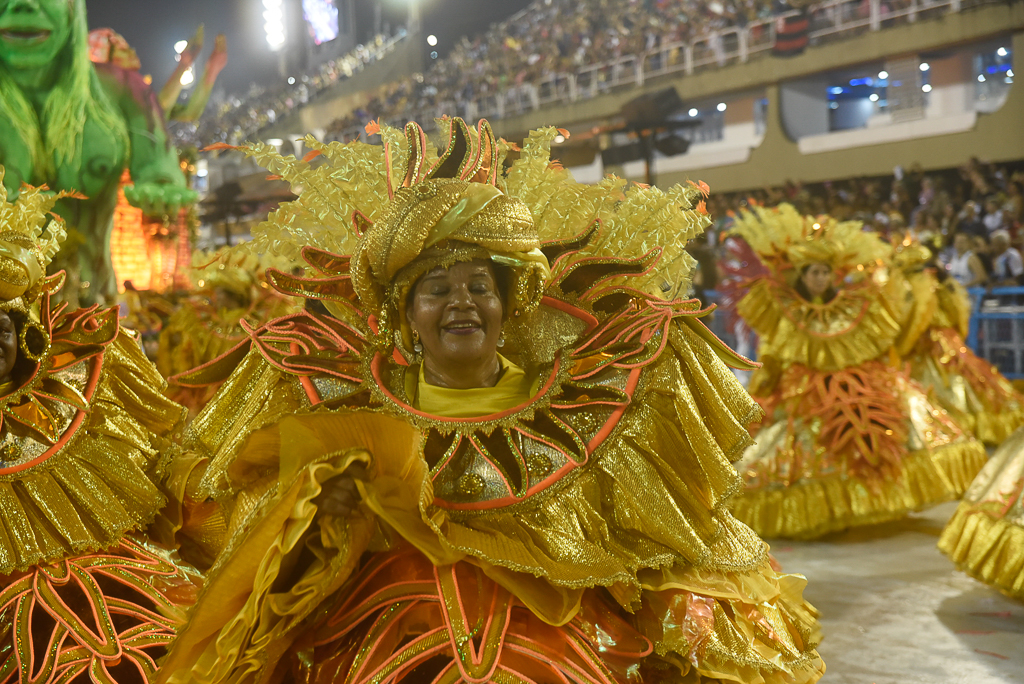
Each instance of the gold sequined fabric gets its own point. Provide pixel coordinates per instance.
(985, 537)
(432, 212)
(24, 251)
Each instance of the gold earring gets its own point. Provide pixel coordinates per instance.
(416, 346)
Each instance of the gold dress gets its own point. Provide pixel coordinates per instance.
(849, 439)
(86, 465)
(568, 525)
(985, 537)
(970, 389)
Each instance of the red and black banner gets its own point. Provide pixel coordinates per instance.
(791, 34)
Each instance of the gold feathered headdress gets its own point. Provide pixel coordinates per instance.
(30, 236)
(401, 208)
(786, 241)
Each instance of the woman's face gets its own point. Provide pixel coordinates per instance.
(458, 314)
(8, 346)
(817, 278)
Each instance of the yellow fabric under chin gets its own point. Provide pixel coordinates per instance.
(514, 388)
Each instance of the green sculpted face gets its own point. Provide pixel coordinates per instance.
(33, 32)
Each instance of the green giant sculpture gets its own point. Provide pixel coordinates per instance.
(73, 125)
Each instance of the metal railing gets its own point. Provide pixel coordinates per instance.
(734, 45)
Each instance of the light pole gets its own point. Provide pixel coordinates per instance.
(414, 17)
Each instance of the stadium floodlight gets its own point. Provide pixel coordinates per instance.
(273, 17)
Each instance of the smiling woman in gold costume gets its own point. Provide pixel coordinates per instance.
(849, 438)
(86, 464)
(409, 505)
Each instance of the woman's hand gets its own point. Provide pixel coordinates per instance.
(339, 495)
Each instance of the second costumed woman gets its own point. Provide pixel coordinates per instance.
(849, 439)
(501, 458)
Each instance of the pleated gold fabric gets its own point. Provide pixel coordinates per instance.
(99, 483)
(859, 325)
(985, 537)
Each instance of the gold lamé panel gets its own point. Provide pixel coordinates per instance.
(999, 488)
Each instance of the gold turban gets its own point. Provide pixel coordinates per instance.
(453, 212)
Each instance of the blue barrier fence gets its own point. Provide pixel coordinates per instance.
(996, 330)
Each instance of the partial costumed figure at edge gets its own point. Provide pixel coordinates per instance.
(985, 537)
(502, 456)
(970, 389)
(849, 438)
(91, 486)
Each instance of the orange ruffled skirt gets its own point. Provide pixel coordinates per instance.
(402, 620)
(855, 447)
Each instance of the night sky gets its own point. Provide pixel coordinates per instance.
(152, 27)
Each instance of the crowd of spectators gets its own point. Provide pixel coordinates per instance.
(548, 38)
(240, 117)
(971, 217)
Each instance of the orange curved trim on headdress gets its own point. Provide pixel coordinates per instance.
(96, 364)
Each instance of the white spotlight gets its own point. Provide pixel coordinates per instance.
(1002, 52)
(981, 78)
(927, 88)
(924, 66)
(180, 46)
(873, 97)
(721, 107)
(883, 75)
(431, 40)
(693, 112)
(188, 78)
